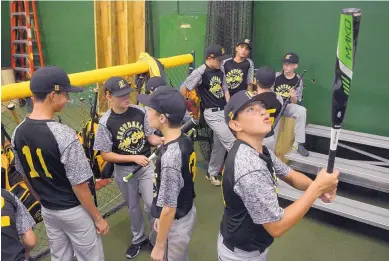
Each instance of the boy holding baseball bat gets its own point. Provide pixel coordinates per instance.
(174, 192)
(124, 138)
(252, 216)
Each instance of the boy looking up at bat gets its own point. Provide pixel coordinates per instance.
(252, 216)
(285, 81)
(124, 137)
(175, 173)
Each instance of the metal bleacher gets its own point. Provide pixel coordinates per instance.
(372, 174)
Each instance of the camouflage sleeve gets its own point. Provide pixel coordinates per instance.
(194, 78)
(23, 219)
(299, 89)
(280, 168)
(250, 73)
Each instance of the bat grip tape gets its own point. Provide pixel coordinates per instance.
(331, 161)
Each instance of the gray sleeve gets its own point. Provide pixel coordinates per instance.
(72, 153)
(280, 168)
(250, 73)
(18, 164)
(194, 78)
(146, 125)
(259, 197)
(171, 177)
(76, 164)
(299, 90)
(224, 81)
(23, 218)
(277, 74)
(103, 140)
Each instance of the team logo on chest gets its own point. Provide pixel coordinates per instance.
(131, 137)
(283, 90)
(234, 78)
(216, 87)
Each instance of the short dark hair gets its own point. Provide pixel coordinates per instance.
(264, 87)
(171, 124)
(40, 96)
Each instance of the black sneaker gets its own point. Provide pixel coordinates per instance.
(299, 147)
(134, 249)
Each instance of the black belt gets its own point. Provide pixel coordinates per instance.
(217, 109)
(231, 247)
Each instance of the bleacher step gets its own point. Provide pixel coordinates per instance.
(350, 136)
(352, 209)
(353, 172)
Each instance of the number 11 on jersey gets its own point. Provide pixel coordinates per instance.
(33, 173)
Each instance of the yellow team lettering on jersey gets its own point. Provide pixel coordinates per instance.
(192, 165)
(271, 114)
(5, 220)
(33, 173)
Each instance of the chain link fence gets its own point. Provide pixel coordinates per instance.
(76, 114)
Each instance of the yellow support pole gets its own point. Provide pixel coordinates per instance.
(22, 89)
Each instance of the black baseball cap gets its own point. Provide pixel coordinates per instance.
(117, 86)
(237, 102)
(245, 41)
(51, 78)
(155, 82)
(216, 51)
(265, 76)
(167, 100)
(290, 58)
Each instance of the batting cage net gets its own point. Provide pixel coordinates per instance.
(77, 114)
(228, 22)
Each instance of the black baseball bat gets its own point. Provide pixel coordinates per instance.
(286, 103)
(184, 129)
(344, 66)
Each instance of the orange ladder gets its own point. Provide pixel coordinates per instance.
(25, 40)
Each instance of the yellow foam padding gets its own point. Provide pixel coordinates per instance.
(285, 137)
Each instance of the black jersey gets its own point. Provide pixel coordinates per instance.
(283, 85)
(208, 83)
(238, 75)
(175, 172)
(52, 158)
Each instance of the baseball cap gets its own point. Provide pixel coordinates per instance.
(51, 78)
(237, 102)
(155, 82)
(265, 76)
(216, 51)
(167, 100)
(245, 41)
(290, 58)
(117, 86)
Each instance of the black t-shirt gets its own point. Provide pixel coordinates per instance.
(175, 172)
(273, 106)
(283, 85)
(238, 75)
(50, 155)
(125, 133)
(208, 83)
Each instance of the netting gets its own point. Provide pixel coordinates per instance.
(75, 114)
(228, 22)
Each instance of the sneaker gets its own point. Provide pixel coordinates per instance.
(134, 249)
(299, 147)
(214, 180)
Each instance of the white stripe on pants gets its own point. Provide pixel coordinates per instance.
(225, 254)
(141, 182)
(299, 113)
(72, 231)
(223, 139)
